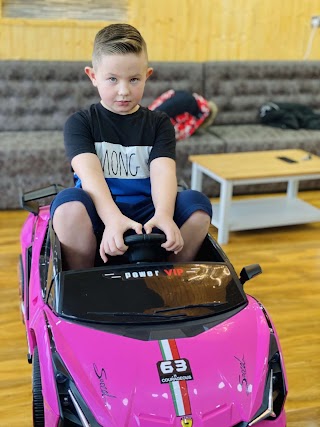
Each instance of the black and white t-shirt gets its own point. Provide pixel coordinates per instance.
(124, 144)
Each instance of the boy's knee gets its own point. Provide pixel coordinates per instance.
(71, 211)
(195, 199)
(200, 218)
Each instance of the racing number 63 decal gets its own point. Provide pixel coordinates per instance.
(175, 371)
(174, 367)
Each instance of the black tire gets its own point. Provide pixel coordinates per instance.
(37, 400)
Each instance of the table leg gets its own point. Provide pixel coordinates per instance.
(196, 178)
(292, 188)
(224, 211)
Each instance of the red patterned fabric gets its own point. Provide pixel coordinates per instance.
(185, 124)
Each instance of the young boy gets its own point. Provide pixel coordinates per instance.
(123, 156)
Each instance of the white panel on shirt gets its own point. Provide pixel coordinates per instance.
(123, 162)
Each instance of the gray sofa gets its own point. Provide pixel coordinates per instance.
(38, 96)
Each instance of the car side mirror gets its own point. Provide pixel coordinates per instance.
(249, 272)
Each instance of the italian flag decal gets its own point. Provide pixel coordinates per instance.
(176, 372)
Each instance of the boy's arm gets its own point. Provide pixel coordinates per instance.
(164, 193)
(87, 166)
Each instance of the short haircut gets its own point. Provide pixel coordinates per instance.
(117, 39)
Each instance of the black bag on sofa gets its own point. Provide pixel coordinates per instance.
(288, 116)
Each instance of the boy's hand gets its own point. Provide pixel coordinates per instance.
(112, 242)
(165, 223)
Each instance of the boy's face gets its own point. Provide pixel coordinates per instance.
(120, 80)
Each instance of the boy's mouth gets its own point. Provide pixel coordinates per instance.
(123, 103)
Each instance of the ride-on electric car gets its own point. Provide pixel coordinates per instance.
(142, 342)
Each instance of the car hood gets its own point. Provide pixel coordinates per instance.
(218, 375)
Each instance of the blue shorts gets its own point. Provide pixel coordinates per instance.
(187, 202)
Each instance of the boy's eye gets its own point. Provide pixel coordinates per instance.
(112, 79)
(134, 80)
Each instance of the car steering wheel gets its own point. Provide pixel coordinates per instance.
(145, 247)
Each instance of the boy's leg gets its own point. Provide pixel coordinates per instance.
(73, 216)
(193, 232)
(193, 216)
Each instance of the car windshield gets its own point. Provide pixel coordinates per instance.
(148, 293)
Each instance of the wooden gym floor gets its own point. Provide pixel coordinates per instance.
(289, 288)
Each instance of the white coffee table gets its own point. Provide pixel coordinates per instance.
(255, 168)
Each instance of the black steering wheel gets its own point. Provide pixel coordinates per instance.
(145, 247)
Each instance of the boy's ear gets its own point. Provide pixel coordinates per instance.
(91, 74)
(149, 72)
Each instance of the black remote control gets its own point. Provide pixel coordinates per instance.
(287, 159)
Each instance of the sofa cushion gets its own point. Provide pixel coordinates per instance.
(186, 76)
(31, 160)
(239, 88)
(199, 143)
(247, 137)
(40, 95)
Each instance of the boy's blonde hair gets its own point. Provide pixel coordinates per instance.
(117, 39)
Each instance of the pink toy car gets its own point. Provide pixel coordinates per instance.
(141, 342)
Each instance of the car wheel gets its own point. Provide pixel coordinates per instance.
(37, 401)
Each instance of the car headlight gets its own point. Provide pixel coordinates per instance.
(275, 389)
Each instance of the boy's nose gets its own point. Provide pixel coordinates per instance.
(123, 89)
